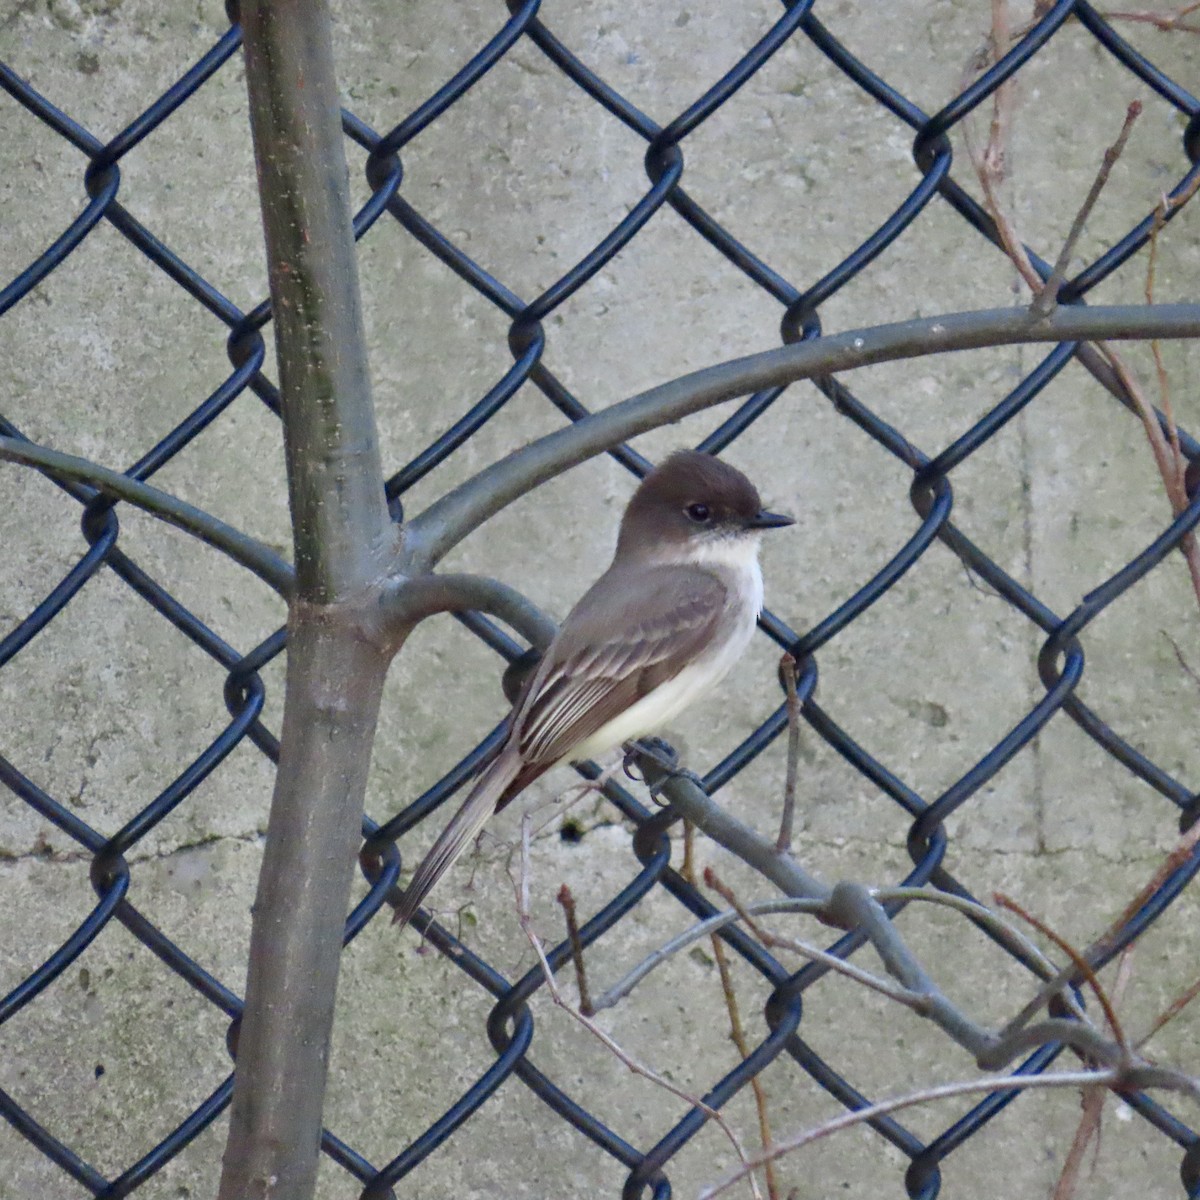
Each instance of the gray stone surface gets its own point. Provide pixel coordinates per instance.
(526, 174)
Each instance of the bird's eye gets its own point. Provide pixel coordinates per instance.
(698, 513)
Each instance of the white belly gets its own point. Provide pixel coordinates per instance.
(658, 708)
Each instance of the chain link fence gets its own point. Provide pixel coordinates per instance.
(638, 1147)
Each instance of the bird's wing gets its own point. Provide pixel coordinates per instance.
(618, 644)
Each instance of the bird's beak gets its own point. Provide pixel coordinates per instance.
(769, 520)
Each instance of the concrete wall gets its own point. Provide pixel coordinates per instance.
(104, 708)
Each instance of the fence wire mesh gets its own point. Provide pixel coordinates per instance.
(642, 1150)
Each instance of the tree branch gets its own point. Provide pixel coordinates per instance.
(243, 549)
(695, 805)
(407, 601)
(345, 545)
(446, 522)
(345, 540)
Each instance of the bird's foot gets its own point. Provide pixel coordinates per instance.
(655, 763)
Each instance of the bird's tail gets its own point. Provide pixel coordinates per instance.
(480, 803)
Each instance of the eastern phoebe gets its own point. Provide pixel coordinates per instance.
(656, 631)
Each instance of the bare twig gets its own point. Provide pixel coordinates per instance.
(1081, 965)
(1170, 1012)
(991, 168)
(1055, 985)
(970, 908)
(695, 933)
(632, 1064)
(945, 1091)
(899, 992)
(1092, 1105)
(1165, 206)
(1178, 855)
(756, 851)
(1176, 484)
(1166, 21)
(1113, 1077)
(737, 1032)
(988, 166)
(738, 1035)
(991, 163)
(1047, 295)
(847, 907)
(1009, 239)
(1003, 99)
(908, 985)
(1090, 1127)
(784, 842)
(1170, 469)
(567, 902)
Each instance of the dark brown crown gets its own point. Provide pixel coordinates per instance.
(660, 507)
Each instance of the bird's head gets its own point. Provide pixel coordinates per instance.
(695, 504)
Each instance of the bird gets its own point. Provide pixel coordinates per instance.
(661, 627)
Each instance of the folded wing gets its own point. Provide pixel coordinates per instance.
(617, 646)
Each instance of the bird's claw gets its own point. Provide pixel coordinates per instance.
(664, 761)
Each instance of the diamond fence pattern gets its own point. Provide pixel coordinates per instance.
(641, 1161)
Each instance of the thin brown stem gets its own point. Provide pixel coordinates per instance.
(1180, 853)
(1047, 296)
(1168, 22)
(870, 1112)
(1092, 1106)
(736, 1029)
(1176, 482)
(1003, 98)
(1010, 240)
(567, 901)
(1169, 1013)
(991, 163)
(1089, 1129)
(1081, 964)
(737, 1033)
(631, 1064)
(1170, 470)
(784, 842)
(989, 167)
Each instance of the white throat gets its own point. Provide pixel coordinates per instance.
(739, 553)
